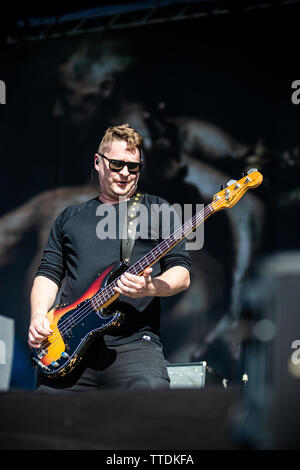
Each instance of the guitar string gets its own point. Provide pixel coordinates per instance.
(65, 325)
(62, 331)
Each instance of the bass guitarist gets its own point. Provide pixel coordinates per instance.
(130, 355)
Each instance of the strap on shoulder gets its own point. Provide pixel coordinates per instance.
(131, 224)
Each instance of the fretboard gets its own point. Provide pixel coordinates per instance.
(155, 254)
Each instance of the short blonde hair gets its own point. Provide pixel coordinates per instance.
(123, 132)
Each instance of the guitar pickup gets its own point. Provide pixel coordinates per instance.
(68, 334)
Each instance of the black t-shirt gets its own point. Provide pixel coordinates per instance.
(85, 239)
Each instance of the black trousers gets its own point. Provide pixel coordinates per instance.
(138, 364)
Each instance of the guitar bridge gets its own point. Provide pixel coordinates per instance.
(40, 364)
(41, 353)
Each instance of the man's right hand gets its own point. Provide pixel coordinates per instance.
(39, 329)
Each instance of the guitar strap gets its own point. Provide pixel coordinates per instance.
(130, 227)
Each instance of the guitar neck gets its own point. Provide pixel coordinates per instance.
(166, 245)
(157, 252)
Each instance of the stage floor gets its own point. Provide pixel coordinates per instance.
(190, 419)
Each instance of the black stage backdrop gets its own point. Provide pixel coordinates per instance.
(213, 98)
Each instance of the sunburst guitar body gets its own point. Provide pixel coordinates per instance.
(74, 325)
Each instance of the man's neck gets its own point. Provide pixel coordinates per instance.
(107, 200)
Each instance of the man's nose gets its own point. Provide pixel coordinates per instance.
(124, 171)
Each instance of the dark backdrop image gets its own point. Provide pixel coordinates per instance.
(212, 99)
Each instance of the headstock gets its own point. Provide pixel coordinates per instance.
(228, 197)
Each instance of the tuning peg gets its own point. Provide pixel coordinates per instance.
(243, 174)
(252, 170)
(230, 182)
(222, 187)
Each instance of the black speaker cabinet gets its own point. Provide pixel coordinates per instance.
(187, 375)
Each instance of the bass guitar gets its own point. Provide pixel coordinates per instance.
(96, 312)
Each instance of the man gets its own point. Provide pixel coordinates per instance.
(130, 356)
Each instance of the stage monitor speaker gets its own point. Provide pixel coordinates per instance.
(6, 350)
(187, 375)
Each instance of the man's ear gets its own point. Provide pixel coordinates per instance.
(96, 160)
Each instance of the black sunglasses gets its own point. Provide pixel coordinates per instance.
(118, 165)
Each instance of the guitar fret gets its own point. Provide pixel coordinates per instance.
(108, 292)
